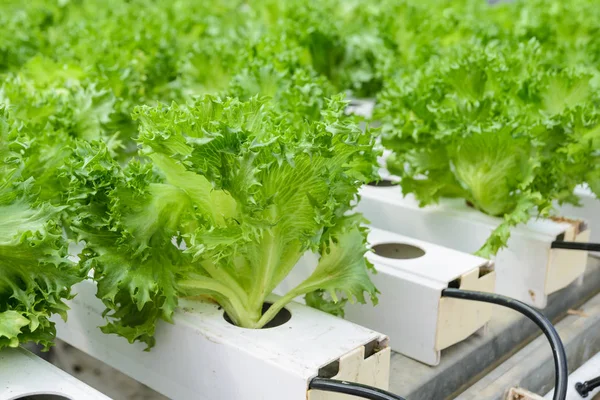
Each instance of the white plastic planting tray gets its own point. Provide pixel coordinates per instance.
(528, 270)
(589, 211)
(202, 356)
(411, 275)
(24, 374)
(588, 371)
(363, 107)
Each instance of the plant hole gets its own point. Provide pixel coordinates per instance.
(371, 348)
(43, 397)
(281, 318)
(455, 284)
(330, 370)
(398, 251)
(382, 183)
(483, 271)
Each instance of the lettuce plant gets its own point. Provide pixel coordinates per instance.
(219, 198)
(35, 274)
(566, 29)
(39, 126)
(225, 200)
(350, 55)
(495, 125)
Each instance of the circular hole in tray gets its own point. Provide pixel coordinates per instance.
(281, 318)
(42, 396)
(398, 251)
(383, 183)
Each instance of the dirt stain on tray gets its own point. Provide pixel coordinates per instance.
(579, 224)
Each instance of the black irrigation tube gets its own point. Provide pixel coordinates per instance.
(561, 371)
(352, 388)
(575, 246)
(585, 388)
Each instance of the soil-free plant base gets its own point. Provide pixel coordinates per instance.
(528, 269)
(26, 376)
(425, 323)
(202, 356)
(589, 211)
(411, 275)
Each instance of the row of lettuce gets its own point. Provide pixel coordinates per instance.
(201, 148)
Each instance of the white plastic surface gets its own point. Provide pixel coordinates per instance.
(589, 370)
(439, 264)
(522, 268)
(362, 107)
(409, 303)
(589, 211)
(408, 310)
(23, 373)
(201, 356)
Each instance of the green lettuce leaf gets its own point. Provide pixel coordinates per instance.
(228, 197)
(35, 274)
(493, 124)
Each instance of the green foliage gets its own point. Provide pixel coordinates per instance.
(254, 163)
(496, 125)
(35, 274)
(244, 190)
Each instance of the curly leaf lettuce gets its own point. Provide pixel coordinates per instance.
(228, 197)
(35, 274)
(495, 125)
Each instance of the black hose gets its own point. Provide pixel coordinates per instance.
(351, 388)
(561, 371)
(575, 246)
(585, 388)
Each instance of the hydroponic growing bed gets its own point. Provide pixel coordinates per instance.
(181, 162)
(25, 376)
